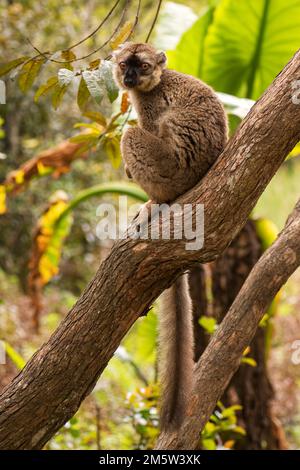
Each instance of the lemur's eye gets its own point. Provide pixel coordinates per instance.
(122, 65)
(145, 66)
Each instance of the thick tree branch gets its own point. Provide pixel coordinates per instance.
(58, 377)
(222, 356)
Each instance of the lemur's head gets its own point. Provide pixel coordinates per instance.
(138, 66)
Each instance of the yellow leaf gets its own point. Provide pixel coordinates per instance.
(295, 152)
(112, 148)
(240, 430)
(229, 444)
(96, 116)
(68, 56)
(122, 35)
(5, 68)
(58, 95)
(47, 269)
(45, 88)
(2, 199)
(83, 94)
(92, 126)
(42, 169)
(28, 73)
(249, 360)
(94, 64)
(14, 356)
(19, 176)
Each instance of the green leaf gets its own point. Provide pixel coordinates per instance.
(94, 84)
(28, 74)
(230, 411)
(141, 342)
(174, 19)
(7, 67)
(82, 95)
(106, 74)
(58, 95)
(267, 232)
(193, 42)
(46, 88)
(208, 323)
(248, 43)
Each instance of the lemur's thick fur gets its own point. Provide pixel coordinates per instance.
(176, 352)
(181, 131)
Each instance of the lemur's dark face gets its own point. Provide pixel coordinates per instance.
(138, 66)
(134, 69)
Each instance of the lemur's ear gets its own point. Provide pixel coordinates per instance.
(161, 59)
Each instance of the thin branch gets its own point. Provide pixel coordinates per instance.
(124, 11)
(154, 20)
(98, 27)
(45, 54)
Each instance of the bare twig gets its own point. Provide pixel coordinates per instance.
(46, 54)
(154, 20)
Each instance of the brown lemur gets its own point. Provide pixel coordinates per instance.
(181, 131)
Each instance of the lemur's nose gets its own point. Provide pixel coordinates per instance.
(130, 81)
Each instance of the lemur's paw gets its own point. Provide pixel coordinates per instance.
(143, 217)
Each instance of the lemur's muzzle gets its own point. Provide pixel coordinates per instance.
(131, 78)
(130, 82)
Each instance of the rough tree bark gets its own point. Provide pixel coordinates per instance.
(250, 386)
(222, 356)
(58, 377)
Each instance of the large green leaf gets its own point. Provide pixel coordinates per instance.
(189, 53)
(142, 338)
(248, 43)
(174, 19)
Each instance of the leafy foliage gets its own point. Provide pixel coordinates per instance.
(142, 407)
(208, 323)
(222, 430)
(240, 46)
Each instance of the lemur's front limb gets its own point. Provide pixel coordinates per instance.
(149, 161)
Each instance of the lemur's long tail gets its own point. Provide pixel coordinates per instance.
(176, 346)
